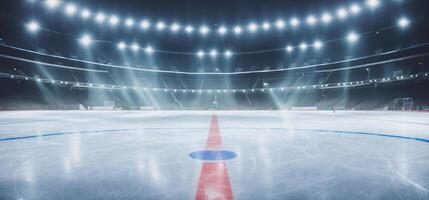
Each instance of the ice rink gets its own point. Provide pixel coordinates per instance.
(214, 155)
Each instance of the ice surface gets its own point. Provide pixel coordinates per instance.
(281, 155)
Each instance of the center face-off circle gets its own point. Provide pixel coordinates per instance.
(213, 155)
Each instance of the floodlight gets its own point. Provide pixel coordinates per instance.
(303, 46)
(280, 24)
(70, 9)
(403, 22)
(149, 50)
(189, 29)
(160, 26)
(204, 30)
(100, 18)
(122, 45)
(326, 18)
(33, 26)
(222, 30)
(355, 9)
(289, 48)
(342, 13)
(135, 47)
(175, 27)
(237, 30)
(266, 26)
(114, 20)
(52, 3)
(352, 37)
(318, 44)
(373, 3)
(213, 53)
(144, 24)
(311, 20)
(252, 27)
(85, 40)
(228, 53)
(129, 22)
(85, 14)
(200, 54)
(294, 22)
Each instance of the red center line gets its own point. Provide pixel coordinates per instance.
(214, 183)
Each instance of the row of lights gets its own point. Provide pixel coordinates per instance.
(71, 10)
(323, 86)
(86, 40)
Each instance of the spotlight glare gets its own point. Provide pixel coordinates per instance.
(149, 50)
(33, 27)
(311, 20)
(266, 26)
(294, 22)
(135, 47)
(121, 45)
(303, 46)
(85, 40)
(213, 53)
(52, 3)
(222, 30)
(352, 37)
(144, 24)
(403, 22)
(114, 20)
(289, 49)
(204, 30)
(100, 18)
(175, 27)
(70, 9)
(318, 44)
(373, 3)
(355, 9)
(85, 14)
(326, 18)
(252, 27)
(280, 24)
(237, 30)
(200, 54)
(342, 13)
(129, 22)
(189, 29)
(228, 53)
(160, 26)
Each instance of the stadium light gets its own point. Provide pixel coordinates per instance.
(189, 29)
(266, 26)
(204, 30)
(222, 30)
(289, 49)
(114, 20)
(200, 54)
(355, 9)
(121, 45)
(237, 30)
(311, 20)
(228, 53)
(85, 40)
(326, 18)
(70, 9)
(252, 27)
(294, 22)
(280, 24)
(100, 18)
(52, 3)
(33, 26)
(213, 53)
(303, 46)
(318, 44)
(85, 14)
(352, 37)
(403, 22)
(175, 27)
(129, 22)
(135, 47)
(373, 3)
(342, 13)
(160, 26)
(149, 50)
(144, 24)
